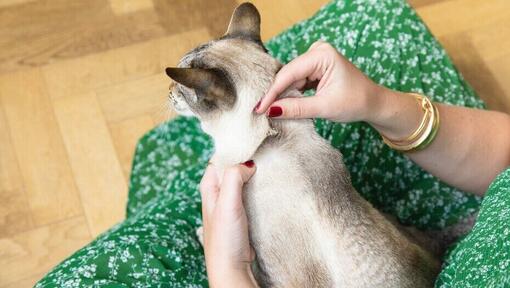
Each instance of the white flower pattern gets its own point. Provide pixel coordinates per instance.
(156, 245)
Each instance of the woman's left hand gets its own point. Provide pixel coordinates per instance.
(228, 253)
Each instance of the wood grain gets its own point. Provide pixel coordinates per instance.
(120, 7)
(500, 68)
(48, 181)
(67, 78)
(10, 177)
(15, 215)
(125, 135)
(134, 98)
(476, 71)
(82, 80)
(35, 252)
(178, 16)
(33, 34)
(93, 159)
(27, 282)
(278, 15)
(456, 16)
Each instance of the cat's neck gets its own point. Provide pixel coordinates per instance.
(239, 133)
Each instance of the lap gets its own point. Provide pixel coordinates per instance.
(156, 245)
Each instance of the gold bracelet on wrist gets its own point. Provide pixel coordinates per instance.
(424, 134)
(432, 134)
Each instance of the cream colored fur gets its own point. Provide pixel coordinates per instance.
(308, 225)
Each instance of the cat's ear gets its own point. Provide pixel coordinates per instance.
(245, 22)
(211, 84)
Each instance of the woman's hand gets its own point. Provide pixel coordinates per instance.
(228, 253)
(343, 93)
(471, 148)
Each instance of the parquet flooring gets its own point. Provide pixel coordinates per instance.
(81, 81)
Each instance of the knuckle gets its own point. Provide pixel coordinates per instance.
(297, 110)
(321, 44)
(232, 173)
(203, 187)
(318, 44)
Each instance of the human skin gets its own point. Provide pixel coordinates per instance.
(228, 253)
(471, 148)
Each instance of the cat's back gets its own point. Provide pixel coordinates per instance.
(310, 228)
(287, 230)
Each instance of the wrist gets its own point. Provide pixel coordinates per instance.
(234, 277)
(395, 114)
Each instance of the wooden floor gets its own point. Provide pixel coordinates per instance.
(81, 81)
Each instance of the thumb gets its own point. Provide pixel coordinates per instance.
(302, 107)
(233, 180)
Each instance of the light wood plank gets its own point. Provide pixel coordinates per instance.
(458, 16)
(125, 136)
(37, 251)
(420, 3)
(474, 69)
(5, 3)
(120, 7)
(99, 70)
(28, 282)
(492, 41)
(48, 31)
(134, 98)
(15, 213)
(48, 182)
(179, 16)
(93, 160)
(10, 177)
(500, 68)
(279, 15)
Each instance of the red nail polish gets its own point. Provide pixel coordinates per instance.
(249, 163)
(257, 106)
(275, 111)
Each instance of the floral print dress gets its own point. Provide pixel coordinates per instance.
(156, 245)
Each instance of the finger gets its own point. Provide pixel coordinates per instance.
(302, 107)
(209, 189)
(317, 44)
(253, 255)
(296, 71)
(232, 184)
(309, 85)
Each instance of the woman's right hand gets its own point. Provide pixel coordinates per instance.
(343, 93)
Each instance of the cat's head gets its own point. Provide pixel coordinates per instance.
(221, 81)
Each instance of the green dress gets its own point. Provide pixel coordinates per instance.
(156, 245)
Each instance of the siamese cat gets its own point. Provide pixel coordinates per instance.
(308, 225)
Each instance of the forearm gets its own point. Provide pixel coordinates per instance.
(471, 148)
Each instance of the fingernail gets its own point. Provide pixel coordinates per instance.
(275, 111)
(257, 106)
(249, 163)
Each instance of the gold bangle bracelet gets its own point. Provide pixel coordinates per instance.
(410, 146)
(425, 104)
(425, 132)
(432, 134)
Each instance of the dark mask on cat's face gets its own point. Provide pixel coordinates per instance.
(215, 77)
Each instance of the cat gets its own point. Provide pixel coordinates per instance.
(308, 225)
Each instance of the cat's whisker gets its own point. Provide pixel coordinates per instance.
(163, 112)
